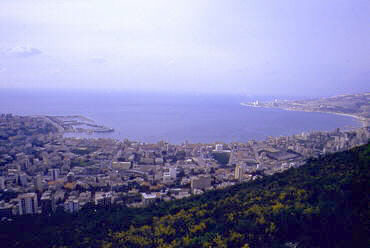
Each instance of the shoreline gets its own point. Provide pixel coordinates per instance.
(73, 125)
(360, 119)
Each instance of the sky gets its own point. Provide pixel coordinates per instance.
(285, 47)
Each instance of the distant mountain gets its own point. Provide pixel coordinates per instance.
(321, 204)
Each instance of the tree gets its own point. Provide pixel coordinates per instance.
(221, 157)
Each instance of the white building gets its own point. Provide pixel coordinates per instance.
(103, 198)
(170, 176)
(167, 178)
(148, 198)
(239, 172)
(27, 203)
(219, 147)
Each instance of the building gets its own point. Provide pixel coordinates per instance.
(38, 183)
(167, 179)
(27, 203)
(54, 174)
(219, 147)
(121, 165)
(103, 199)
(45, 158)
(84, 198)
(71, 205)
(201, 182)
(26, 164)
(158, 160)
(22, 179)
(2, 183)
(6, 209)
(70, 177)
(239, 172)
(148, 198)
(47, 203)
(170, 176)
(173, 172)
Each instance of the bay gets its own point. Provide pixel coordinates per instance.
(176, 118)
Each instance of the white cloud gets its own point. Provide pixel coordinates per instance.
(97, 60)
(21, 51)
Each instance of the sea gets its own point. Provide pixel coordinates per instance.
(173, 117)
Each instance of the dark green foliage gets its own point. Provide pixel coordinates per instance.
(321, 204)
(84, 150)
(81, 162)
(221, 157)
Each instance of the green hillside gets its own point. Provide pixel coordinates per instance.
(321, 204)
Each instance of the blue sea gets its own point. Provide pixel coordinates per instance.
(176, 118)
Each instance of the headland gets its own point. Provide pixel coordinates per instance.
(356, 106)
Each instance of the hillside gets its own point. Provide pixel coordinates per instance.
(321, 204)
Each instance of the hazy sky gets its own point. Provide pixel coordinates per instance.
(313, 47)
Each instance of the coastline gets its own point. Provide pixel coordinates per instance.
(364, 122)
(72, 123)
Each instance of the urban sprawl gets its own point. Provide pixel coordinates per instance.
(42, 172)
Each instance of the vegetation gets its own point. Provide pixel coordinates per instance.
(321, 204)
(84, 150)
(81, 162)
(221, 157)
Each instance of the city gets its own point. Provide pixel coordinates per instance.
(41, 172)
(184, 124)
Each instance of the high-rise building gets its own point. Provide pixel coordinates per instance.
(38, 183)
(27, 203)
(239, 172)
(22, 179)
(54, 174)
(2, 183)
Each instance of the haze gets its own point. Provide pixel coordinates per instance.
(239, 47)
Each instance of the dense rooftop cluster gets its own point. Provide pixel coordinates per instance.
(42, 172)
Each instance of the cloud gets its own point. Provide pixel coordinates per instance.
(97, 60)
(21, 52)
(56, 71)
(171, 62)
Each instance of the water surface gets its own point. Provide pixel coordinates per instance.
(174, 118)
